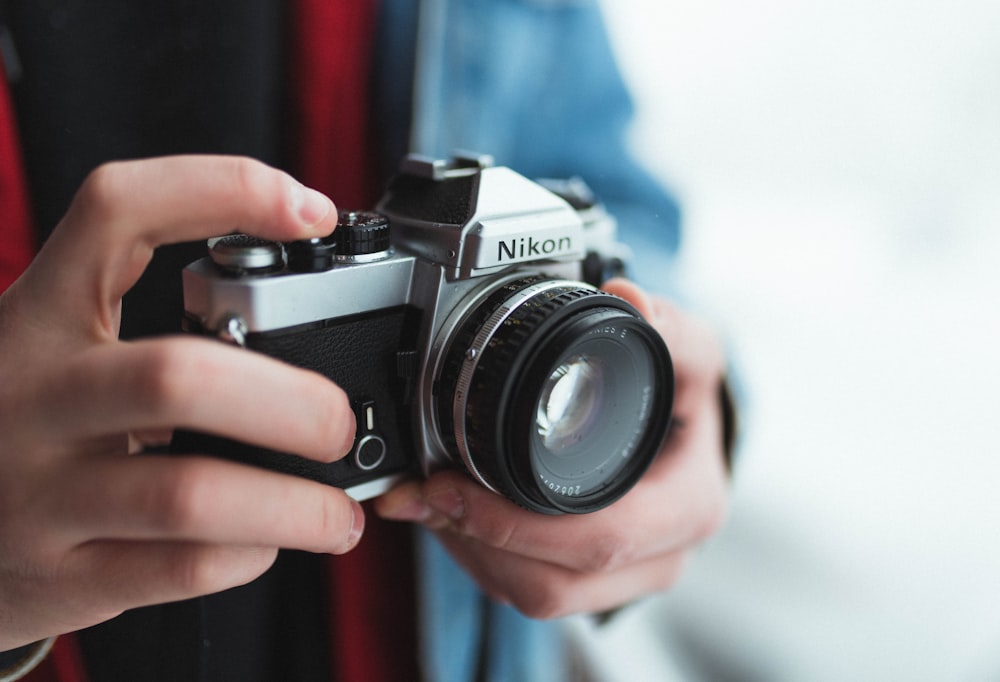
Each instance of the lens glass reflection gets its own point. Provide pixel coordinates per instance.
(570, 403)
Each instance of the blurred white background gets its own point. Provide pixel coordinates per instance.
(839, 167)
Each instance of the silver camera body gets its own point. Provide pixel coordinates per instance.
(456, 319)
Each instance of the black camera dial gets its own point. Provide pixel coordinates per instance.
(362, 236)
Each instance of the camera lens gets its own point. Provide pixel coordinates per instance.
(556, 395)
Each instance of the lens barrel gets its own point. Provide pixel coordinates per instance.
(555, 394)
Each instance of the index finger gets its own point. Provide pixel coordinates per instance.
(201, 499)
(126, 209)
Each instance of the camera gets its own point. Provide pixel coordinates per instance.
(458, 318)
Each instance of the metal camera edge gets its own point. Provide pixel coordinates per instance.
(461, 230)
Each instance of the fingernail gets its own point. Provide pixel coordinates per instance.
(311, 206)
(449, 503)
(348, 430)
(357, 525)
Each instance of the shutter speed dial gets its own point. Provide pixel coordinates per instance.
(362, 236)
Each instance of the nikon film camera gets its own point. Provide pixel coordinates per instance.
(455, 319)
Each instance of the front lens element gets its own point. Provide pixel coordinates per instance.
(570, 405)
(604, 444)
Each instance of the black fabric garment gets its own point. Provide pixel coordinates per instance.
(117, 79)
(392, 81)
(113, 79)
(272, 629)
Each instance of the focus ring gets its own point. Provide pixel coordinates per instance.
(493, 391)
(457, 353)
(485, 363)
(490, 385)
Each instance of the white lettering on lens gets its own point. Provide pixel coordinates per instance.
(567, 490)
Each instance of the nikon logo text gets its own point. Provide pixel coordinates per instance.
(529, 247)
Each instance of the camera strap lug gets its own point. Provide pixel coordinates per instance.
(233, 329)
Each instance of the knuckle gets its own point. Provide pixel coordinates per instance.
(547, 600)
(247, 175)
(101, 190)
(157, 379)
(176, 505)
(194, 571)
(205, 569)
(492, 531)
(166, 377)
(606, 553)
(251, 179)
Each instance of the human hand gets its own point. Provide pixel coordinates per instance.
(87, 529)
(551, 566)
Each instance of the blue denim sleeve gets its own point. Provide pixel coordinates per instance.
(535, 84)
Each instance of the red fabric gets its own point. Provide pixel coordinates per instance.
(330, 55)
(17, 243)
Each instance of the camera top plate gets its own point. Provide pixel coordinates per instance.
(476, 219)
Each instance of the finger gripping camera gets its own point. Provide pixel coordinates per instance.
(457, 319)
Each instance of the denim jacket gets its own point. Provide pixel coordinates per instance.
(534, 83)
